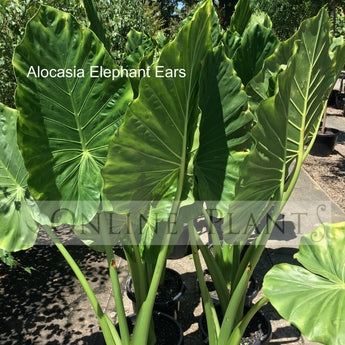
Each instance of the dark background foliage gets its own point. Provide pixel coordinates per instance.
(286, 15)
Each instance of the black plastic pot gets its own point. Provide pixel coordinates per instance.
(258, 323)
(167, 301)
(252, 290)
(182, 247)
(325, 142)
(168, 331)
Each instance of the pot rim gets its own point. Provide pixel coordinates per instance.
(132, 319)
(174, 300)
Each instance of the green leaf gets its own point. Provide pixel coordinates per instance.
(161, 39)
(191, 13)
(241, 16)
(29, 269)
(286, 121)
(313, 298)
(137, 46)
(140, 49)
(318, 67)
(312, 83)
(95, 21)
(257, 44)
(152, 153)
(261, 18)
(17, 208)
(65, 124)
(7, 258)
(215, 26)
(231, 41)
(224, 128)
(267, 159)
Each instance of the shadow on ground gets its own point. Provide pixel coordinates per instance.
(48, 306)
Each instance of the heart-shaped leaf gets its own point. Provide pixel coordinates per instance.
(152, 153)
(67, 118)
(313, 298)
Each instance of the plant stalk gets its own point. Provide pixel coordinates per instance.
(117, 295)
(240, 328)
(210, 312)
(110, 334)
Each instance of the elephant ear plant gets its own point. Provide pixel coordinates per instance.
(66, 118)
(312, 297)
(287, 98)
(180, 140)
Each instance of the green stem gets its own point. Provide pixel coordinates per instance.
(110, 334)
(115, 283)
(233, 311)
(210, 312)
(255, 251)
(214, 233)
(217, 277)
(117, 295)
(138, 270)
(240, 328)
(141, 332)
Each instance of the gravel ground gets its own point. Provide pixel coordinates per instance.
(329, 172)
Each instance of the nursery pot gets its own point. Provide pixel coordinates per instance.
(168, 331)
(168, 295)
(252, 289)
(325, 142)
(182, 248)
(258, 332)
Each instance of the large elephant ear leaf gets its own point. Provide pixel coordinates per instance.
(258, 43)
(255, 191)
(314, 296)
(224, 128)
(152, 153)
(310, 83)
(18, 229)
(321, 59)
(66, 121)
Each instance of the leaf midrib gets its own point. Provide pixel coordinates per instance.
(306, 98)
